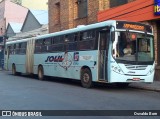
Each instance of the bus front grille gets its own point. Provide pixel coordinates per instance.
(136, 67)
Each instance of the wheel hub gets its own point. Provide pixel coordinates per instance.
(86, 78)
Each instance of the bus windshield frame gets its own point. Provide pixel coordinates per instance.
(133, 48)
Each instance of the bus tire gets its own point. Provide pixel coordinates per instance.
(14, 69)
(122, 85)
(86, 78)
(40, 73)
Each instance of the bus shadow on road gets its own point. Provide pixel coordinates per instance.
(73, 82)
(77, 83)
(96, 85)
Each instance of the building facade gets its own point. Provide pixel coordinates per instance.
(7, 14)
(13, 29)
(66, 14)
(35, 19)
(35, 23)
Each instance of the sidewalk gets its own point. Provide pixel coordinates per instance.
(155, 86)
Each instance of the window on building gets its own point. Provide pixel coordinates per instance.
(82, 8)
(114, 3)
(57, 13)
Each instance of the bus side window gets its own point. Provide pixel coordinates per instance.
(83, 36)
(87, 39)
(52, 47)
(11, 49)
(72, 44)
(56, 39)
(14, 49)
(8, 49)
(59, 39)
(43, 42)
(66, 39)
(48, 42)
(54, 43)
(91, 36)
(43, 45)
(52, 40)
(19, 48)
(76, 37)
(70, 37)
(23, 48)
(38, 45)
(59, 44)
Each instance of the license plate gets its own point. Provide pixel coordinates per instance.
(136, 79)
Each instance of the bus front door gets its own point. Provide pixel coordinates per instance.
(103, 56)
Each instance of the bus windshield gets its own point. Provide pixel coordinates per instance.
(132, 46)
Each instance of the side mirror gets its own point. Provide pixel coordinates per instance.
(113, 36)
(112, 33)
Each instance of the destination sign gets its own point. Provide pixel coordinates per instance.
(133, 26)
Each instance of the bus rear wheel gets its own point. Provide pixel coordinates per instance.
(14, 69)
(40, 73)
(86, 78)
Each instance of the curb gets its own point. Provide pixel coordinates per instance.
(146, 88)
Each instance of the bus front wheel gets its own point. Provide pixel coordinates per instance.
(14, 69)
(40, 73)
(86, 78)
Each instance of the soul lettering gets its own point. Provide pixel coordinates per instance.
(54, 59)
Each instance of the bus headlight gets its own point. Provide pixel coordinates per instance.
(117, 69)
(151, 70)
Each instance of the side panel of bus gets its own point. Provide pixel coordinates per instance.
(19, 56)
(18, 60)
(67, 65)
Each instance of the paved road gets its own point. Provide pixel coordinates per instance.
(23, 93)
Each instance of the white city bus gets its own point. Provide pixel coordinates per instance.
(111, 52)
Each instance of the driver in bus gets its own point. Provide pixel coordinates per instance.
(127, 50)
